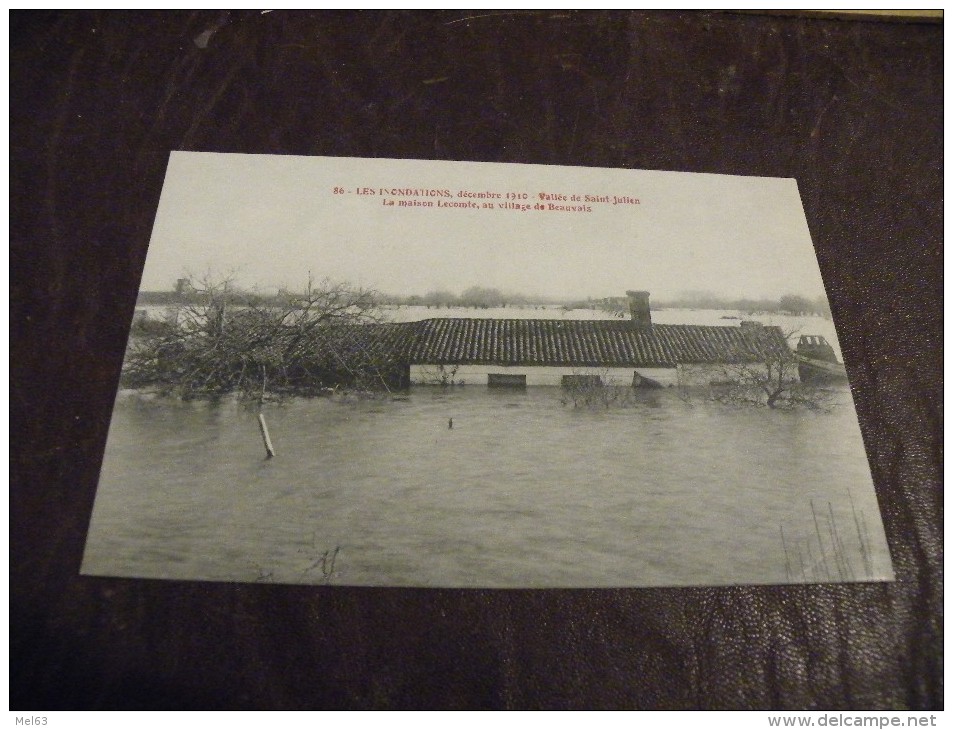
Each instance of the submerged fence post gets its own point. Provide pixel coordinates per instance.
(269, 449)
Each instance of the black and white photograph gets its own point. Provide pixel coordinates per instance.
(380, 372)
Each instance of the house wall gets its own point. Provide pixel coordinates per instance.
(685, 375)
(424, 374)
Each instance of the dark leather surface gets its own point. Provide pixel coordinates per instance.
(852, 110)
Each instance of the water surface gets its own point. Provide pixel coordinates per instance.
(523, 491)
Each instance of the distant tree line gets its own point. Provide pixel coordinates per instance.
(489, 297)
(483, 297)
(788, 304)
(475, 296)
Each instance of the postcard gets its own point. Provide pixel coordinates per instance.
(380, 372)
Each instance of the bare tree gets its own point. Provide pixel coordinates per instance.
(766, 374)
(220, 340)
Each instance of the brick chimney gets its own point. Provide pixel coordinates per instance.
(639, 309)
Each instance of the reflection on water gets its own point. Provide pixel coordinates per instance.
(522, 491)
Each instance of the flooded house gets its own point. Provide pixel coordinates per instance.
(527, 352)
(633, 351)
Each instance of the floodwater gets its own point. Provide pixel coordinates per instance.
(522, 491)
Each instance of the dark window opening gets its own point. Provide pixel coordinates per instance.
(500, 380)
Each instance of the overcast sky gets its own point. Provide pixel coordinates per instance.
(271, 219)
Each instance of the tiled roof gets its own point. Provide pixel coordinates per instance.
(358, 343)
(576, 343)
(568, 343)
